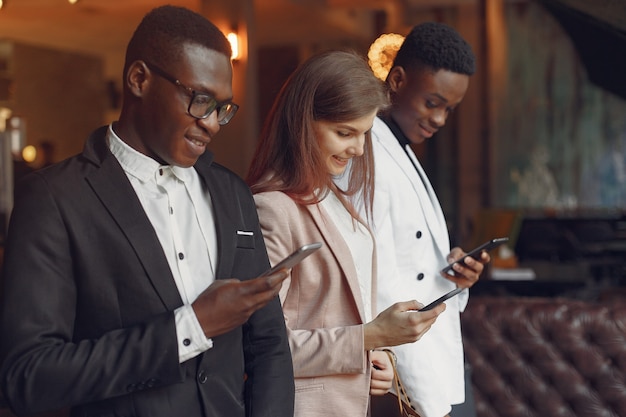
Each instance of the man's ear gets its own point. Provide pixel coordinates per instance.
(396, 79)
(137, 78)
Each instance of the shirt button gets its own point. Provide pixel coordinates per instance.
(420, 276)
(418, 234)
(186, 342)
(181, 256)
(202, 377)
(160, 171)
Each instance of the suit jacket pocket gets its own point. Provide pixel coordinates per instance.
(309, 387)
(245, 239)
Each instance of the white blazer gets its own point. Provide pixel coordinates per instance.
(412, 245)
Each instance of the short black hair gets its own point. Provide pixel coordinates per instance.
(164, 31)
(437, 46)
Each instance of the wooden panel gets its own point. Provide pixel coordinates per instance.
(441, 3)
(275, 66)
(61, 95)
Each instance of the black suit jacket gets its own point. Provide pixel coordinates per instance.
(88, 297)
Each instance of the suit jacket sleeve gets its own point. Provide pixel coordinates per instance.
(45, 365)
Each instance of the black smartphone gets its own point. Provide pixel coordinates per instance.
(441, 299)
(293, 259)
(475, 253)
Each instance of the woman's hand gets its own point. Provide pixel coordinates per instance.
(401, 323)
(382, 373)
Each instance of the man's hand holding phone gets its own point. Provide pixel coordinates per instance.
(464, 269)
(229, 303)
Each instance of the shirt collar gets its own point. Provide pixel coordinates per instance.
(139, 165)
(395, 129)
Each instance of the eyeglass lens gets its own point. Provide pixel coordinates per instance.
(203, 105)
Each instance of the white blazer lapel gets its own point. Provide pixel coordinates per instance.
(428, 201)
(438, 226)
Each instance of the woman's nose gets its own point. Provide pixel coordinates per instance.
(357, 148)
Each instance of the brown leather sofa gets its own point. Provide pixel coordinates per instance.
(546, 357)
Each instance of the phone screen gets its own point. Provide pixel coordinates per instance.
(441, 299)
(294, 258)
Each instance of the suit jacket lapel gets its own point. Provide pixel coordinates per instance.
(421, 185)
(340, 250)
(434, 214)
(116, 193)
(224, 212)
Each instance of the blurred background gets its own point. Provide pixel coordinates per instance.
(536, 151)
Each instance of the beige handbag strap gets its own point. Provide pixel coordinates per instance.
(403, 399)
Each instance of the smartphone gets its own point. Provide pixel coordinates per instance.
(475, 253)
(441, 299)
(293, 259)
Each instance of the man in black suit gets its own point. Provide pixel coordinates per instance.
(118, 298)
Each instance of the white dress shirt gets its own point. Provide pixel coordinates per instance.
(360, 243)
(180, 210)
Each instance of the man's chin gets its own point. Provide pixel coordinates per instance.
(417, 139)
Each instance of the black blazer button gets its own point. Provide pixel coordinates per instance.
(202, 377)
(418, 234)
(420, 276)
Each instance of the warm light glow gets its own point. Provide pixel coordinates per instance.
(234, 45)
(5, 114)
(382, 53)
(29, 153)
(73, 1)
(1, 4)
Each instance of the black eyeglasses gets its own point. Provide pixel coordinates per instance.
(201, 105)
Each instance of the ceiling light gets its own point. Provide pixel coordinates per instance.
(382, 53)
(234, 45)
(29, 153)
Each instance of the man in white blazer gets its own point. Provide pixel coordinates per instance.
(429, 78)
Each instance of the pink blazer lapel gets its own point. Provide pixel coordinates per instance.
(340, 250)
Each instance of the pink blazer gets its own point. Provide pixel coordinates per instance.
(323, 309)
